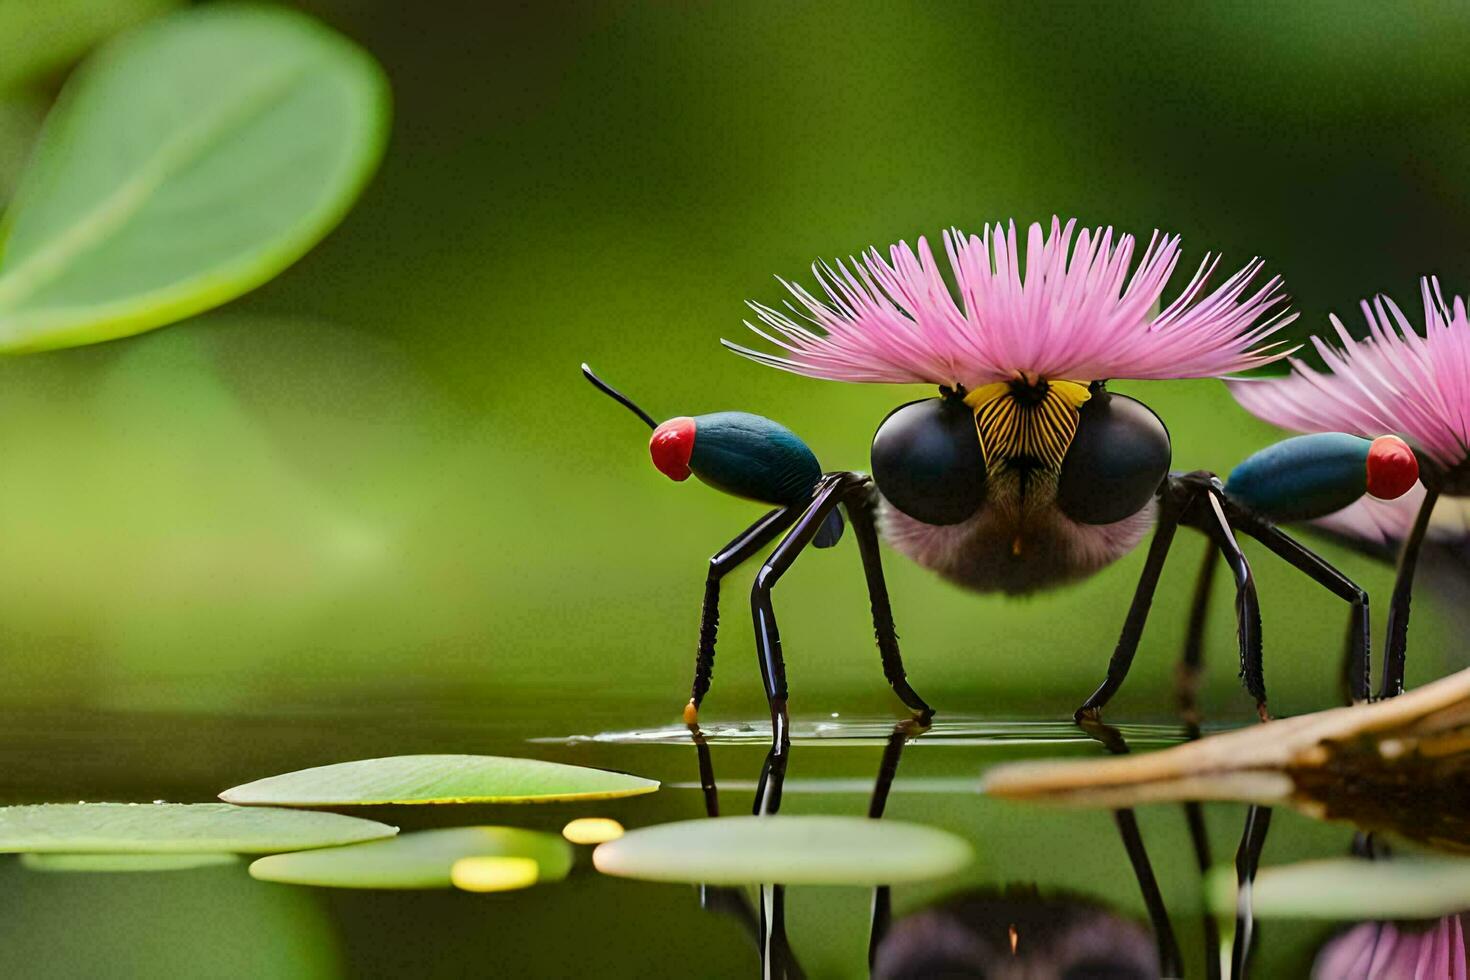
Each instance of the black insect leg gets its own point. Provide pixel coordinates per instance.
(720, 898)
(1258, 818)
(882, 916)
(861, 501)
(1191, 664)
(1171, 961)
(1357, 667)
(1247, 606)
(829, 492)
(777, 958)
(888, 765)
(1247, 858)
(1396, 649)
(1199, 837)
(750, 541)
(1143, 597)
(709, 789)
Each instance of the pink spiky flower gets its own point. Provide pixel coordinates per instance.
(1074, 313)
(1396, 381)
(1386, 949)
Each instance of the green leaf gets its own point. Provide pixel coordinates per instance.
(418, 860)
(1409, 887)
(134, 828)
(20, 119)
(124, 862)
(439, 779)
(792, 850)
(185, 163)
(41, 38)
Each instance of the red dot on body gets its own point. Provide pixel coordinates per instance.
(1392, 468)
(671, 446)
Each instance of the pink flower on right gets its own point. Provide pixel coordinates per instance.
(1395, 951)
(1398, 381)
(1417, 387)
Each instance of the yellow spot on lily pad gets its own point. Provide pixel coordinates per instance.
(592, 830)
(423, 859)
(494, 874)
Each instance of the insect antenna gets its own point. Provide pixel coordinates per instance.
(618, 397)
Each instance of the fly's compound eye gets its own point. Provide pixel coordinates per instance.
(1116, 462)
(928, 463)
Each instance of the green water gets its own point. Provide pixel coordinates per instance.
(220, 922)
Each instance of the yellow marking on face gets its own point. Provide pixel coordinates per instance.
(1038, 423)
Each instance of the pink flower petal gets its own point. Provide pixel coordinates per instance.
(1075, 313)
(1396, 381)
(1386, 951)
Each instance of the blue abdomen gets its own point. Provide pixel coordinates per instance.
(1302, 478)
(751, 456)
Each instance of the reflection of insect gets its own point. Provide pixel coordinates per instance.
(1398, 767)
(1016, 931)
(1025, 472)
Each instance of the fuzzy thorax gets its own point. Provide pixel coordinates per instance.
(1019, 542)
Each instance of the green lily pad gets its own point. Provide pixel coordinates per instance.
(789, 850)
(439, 779)
(423, 859)
(1409, 887)
(124, 862)
(133, 828)
(188, 161)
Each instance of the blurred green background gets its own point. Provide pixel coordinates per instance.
(383, 468)
(380, 480)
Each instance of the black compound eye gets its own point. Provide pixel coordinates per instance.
(928, 463)
(1116, 462)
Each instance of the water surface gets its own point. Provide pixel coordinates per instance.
(218, 921)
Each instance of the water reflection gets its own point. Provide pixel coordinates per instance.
(1399, 766)
(640, 929)
(956, 730)
(1396, 949)
(1017, 932)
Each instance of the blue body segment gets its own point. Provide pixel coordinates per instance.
(750, 456)
(1302, 478)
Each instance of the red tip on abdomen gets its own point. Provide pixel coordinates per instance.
(1392, 468)
(672, 445)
